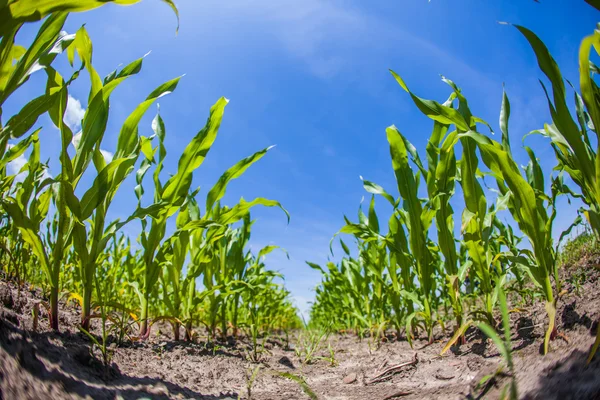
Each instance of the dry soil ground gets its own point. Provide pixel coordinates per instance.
(48, 365)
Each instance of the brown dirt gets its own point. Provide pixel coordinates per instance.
(48, 365)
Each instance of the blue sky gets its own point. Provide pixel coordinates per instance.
(312, 77)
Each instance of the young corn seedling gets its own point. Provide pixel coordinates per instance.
(570, 140)
(251, 376)
(102, 290)
(49, 42)
(331, 358)
(523, 198)
(418, 220)
(259, 300)
(171, 196)
(504, 345)
(95, 202)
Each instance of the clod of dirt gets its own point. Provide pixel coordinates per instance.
(6, 297)
(350, 378)
(287, 362)
(444, 374)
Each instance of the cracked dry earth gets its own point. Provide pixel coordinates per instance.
(48, 365)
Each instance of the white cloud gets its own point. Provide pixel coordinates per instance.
(74, 114)
(108, 156)
(76, 140)
(15, 166)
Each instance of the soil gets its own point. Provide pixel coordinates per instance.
(51, 365)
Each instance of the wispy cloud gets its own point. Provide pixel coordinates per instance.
(74, 114)
(330, 37)
(108, 156)
(15, 166)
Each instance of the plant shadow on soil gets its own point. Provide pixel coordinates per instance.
(569, 379)
(73, 378)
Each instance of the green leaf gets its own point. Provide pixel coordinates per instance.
(95, 122)
(30, 234)
(43, 44)
(178, 186)
(492, 334)
(238, 212)
(16, 12)
(128, 137)
(17, 150)
(374, 188)
(218, 190)
(434, 110)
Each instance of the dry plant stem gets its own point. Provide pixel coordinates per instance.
(397, 394)
(383, 365)
(391, 370)
(36, 313)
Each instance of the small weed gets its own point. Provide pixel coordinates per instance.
(504, 347)
(581, 247)
(377, 336)
(309, 344)
(256, 350)
(331, 358)
(577, 279)
(251, 375)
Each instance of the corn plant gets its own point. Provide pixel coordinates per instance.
(96, 200)
(441, 179)
(524, 199)
(266, 302)
(170, 197)
(418, 220)
(569, 136)
(82, 255)
(32, 195)
(17, 64)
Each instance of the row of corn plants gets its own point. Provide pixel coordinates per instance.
(433, 266)
(57, 231)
